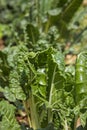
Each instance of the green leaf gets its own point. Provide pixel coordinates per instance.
(4, 69)
(83, 117)
(70, 78)
(55, 69)
(61, 3)
(8, 121)
(41, 58)
(14, 91)
(54, 12)
(54, 18)
(45, 6)
(41, 77)
(71, 10)
(55, 78)
(17, 88)
(32, 32)
(80, 76)
(50, 63)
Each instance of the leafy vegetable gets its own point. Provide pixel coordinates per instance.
(7, 111)
(81, 90)
(34, 78)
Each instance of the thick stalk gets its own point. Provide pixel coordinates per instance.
(33, 112)
(49, 109)
(50, 114)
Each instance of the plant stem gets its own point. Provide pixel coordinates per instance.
(50, 115)
(38, 20)
(49, 109)
(47, 25)
(76, 117)
(27, 112)
(33, 112)
(66, 125)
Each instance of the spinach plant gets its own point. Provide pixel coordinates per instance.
(33, 74)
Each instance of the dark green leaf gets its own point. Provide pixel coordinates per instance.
(33, 33)
(71, 10)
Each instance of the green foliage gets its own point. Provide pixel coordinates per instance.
(33, 33)
(49, 91)
(4, 69)
(42, 80)
(32, 66)
(71, 9)
(39, 16)
(7, 112)
(81, 82)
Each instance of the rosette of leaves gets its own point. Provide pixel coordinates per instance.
(43, 84)
(48, 89)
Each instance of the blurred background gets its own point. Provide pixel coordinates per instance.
(58, 23)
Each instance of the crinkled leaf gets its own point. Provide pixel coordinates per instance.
(14, 91)
(4, 69)
(83, 117)
(8, 121)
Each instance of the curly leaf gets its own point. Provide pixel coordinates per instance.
(14, 91)
(4, 69)
(8, 121)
